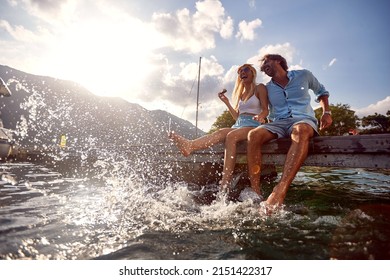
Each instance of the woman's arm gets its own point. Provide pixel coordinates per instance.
(225, 100)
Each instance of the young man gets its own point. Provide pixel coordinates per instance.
(291, 115)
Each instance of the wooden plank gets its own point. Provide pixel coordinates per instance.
(374, 161)
(374, 143)
(357, 151)
(354, 151)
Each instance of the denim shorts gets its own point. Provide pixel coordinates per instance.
(283, 127)
(245, 121)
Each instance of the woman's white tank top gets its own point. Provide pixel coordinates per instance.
(250, 106)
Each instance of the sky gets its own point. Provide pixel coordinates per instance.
(148, 51)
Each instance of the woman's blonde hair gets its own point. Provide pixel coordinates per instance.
(239, 86)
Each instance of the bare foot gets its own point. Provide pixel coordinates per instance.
(274, 200)
(273, 203)
(269, 210)
(182, 143)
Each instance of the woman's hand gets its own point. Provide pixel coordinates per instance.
(223, 97)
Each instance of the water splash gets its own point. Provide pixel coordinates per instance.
(120, 199)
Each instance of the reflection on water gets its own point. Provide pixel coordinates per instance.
(329, 213)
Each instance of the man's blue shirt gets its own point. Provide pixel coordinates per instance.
(294, 99)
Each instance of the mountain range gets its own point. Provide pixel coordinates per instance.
(42, 108)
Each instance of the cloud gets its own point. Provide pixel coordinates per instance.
(24, 48)
(381, 107)
(194, 33)
(332, 62)
(21, 34)
(45, 5)
(227, 28)
(13, 3)
(179, 85)
(174, 88)
(286, 50)
(52, 12)
(247, 30)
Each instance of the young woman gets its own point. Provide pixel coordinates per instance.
(249, 109)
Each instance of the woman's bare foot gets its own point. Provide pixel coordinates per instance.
(182, 143)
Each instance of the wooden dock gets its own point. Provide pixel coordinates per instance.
(352, 151)
(202, 167)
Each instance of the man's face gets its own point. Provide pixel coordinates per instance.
(268, 67)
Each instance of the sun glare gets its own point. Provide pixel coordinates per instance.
(107, 58)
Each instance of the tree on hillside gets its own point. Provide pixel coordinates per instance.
(376, 123)
(224, 120)
(344, 120)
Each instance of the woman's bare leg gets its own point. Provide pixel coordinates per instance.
(256, 138)
(232, 138)
(187, 146)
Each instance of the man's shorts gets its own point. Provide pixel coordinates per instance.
(245, 121)
(283, 128)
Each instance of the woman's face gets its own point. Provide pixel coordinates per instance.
(245, 73)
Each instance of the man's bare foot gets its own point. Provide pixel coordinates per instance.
(274, 200)
(269, 210)
(183, 144)
(273, 203)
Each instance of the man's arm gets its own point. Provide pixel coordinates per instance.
(326, 118)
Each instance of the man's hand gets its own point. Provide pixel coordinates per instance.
(326, 121)
(259, 118)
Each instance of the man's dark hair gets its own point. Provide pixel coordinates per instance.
(277, 57)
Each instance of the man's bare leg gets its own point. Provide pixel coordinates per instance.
(187, 146)
(301, 135)
(256, 138)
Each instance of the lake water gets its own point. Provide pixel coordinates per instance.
(119, 213)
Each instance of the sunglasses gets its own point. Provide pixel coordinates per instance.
(244, 69)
